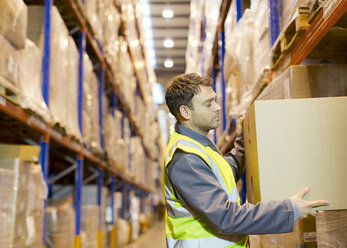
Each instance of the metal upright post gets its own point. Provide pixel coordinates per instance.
(221, 61)
(123, 207)
(214, 89)
(274, 20)
(78, 200)
(113, 231)
(44, 140)
(100, 182)
(238, 9)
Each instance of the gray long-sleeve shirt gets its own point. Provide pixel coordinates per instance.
(197, 187)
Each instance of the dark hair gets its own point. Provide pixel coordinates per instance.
(181, 89)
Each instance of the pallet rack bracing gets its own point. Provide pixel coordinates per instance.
(83, 156)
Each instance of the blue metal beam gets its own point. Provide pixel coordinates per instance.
(274, 20)
(78, 200)
(101, 91)
(238, 10)
(214, 78)
(221, 62)
(81, 48)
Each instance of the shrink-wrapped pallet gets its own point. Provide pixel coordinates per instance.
(60, 223)
(94, 11)
(135, 214)
(211, 14)
(193, 52)
(21, 206)
(13, 21)
(30, 80)
(91, 129)
(111, 44)
(59, 61)
(9, 65)
(71, 90)
(89, 226)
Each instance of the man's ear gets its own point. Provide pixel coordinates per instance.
(184, 112)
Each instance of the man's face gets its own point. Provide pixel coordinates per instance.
(205, 111)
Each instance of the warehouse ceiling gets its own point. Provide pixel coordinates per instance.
(158, 29)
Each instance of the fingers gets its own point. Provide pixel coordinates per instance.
(314, 204)
(302, 192)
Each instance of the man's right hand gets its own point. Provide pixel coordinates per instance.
(307, 207)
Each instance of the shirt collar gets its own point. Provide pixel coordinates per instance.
(195, 136)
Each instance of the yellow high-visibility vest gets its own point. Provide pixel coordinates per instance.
(183, 229)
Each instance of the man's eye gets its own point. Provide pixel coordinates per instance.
(208, 105)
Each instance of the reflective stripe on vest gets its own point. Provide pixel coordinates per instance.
(182, 228)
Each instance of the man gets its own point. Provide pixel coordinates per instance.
(202, 203)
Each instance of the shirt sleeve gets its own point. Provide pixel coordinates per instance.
(198, 188)
(236, 158)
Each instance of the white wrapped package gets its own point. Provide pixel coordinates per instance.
(111, 44)
(261, 40)
(94, 11)
(71, 88)
(21, 206)
(30, 83)
(288, 11)
(212, 9)
(13, 21)
(60, 223)
(91, 129)
(135, 214)
(58, 58)
(89, 226)
(9, 67)
(193, 56)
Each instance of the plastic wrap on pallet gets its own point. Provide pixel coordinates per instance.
(13, 21)
(331, 229)
(261, 40)
(135, 214)
(30, 82)
(94, 11)
(193, 55)
(21, 206)
(127, 77)
(241, 64)
(229, 26)
(111, 44)
(211, 15)
(71, 87)
(122, 232)
(91, 127)
(58, 61)
(89, 197)
(89, 226)
(60, 223)
(9, 66)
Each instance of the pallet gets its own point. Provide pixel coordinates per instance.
(290, 36)
(9, 91)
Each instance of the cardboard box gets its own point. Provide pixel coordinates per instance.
(291, 144)
(13, 21)
(303, 235)
(9, 67)
(302, 81)
(332, 229)
(22, 152)
(21, 205)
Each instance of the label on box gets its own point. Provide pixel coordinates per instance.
(310, 237)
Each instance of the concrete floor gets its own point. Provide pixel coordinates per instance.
(153, 238)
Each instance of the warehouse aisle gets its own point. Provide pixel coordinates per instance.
(153, 238)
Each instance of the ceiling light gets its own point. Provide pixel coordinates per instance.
(168, 43)
(168, 63)
(168, 13)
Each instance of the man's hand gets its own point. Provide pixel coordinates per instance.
(306, 207)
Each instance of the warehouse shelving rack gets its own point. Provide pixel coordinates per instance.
(35, 128)
(319, 27)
